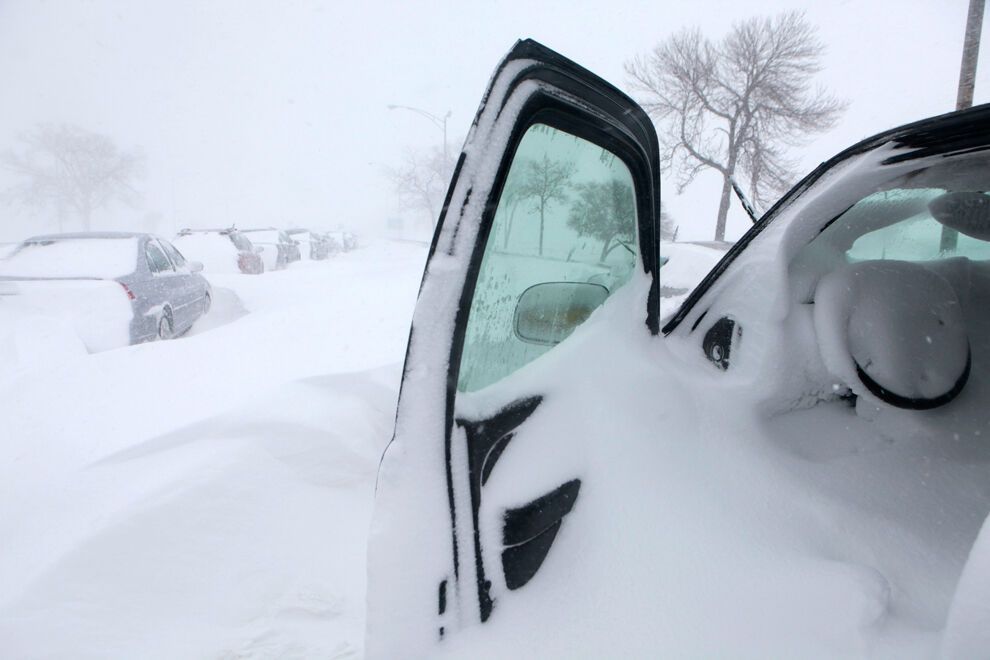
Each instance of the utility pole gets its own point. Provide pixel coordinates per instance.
(967, 82)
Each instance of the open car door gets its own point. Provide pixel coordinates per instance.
(552, 213)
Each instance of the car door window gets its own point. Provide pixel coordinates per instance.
(563, 238)
(157, 261)
(176, 257)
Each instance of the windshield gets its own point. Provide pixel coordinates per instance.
(918, 237)
(925, 212)
(105, 258)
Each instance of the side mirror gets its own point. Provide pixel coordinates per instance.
(258, 249)
(548, 313)
(966, 212)
(195, 266)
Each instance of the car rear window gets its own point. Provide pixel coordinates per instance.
(104, 258)
(240, 242)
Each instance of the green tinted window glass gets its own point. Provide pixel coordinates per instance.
(916, 237)
(567, 214)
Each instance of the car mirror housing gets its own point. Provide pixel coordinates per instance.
(966, 212)
(195, 266)
(548, 313)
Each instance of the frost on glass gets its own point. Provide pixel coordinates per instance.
(566, 214)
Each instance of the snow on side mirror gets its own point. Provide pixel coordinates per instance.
(548, 313)
(195, 266)
(966, 212)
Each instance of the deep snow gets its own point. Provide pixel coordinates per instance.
(209, 496)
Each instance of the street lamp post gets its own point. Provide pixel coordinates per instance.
(439, 122)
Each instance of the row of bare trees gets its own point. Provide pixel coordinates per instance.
(71, 171)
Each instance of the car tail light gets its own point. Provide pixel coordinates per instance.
(130, 294)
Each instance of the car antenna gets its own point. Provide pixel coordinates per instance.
(750, 211)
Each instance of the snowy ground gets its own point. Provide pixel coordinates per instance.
(206, 497)
(209, 497)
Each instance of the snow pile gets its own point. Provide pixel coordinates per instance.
(208, 496)
(32, 341)
(97, 313)
(703, 526)
(967, 634)
(687, 264)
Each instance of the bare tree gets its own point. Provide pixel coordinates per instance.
(421, 181)
(545, 182)
(71, 169)
(735, 105)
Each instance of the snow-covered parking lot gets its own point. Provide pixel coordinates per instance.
(209, 496)
(206, 497)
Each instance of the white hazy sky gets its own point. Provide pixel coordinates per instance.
(275, 112)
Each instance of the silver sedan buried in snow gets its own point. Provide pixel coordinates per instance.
(112, 288)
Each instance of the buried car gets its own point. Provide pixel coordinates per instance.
(796, 462)
(312, 245)
(222, 250)
(113, 288)
(278, 250)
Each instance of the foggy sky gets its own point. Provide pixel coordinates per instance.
(275, 112)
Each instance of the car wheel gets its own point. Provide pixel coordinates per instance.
(208, 304)
(165, 326)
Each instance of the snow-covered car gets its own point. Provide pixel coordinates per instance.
(221, 250)
(312, 245)
(113, 288)
(344, 240)
(794, 463)
(278, 248)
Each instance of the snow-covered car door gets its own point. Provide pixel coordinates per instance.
(551, 214)
(189, 291)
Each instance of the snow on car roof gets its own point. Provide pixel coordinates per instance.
(105, 256)
(262, 235)
(217, 252)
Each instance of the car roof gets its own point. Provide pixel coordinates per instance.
(187, 231)
(88, 234)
